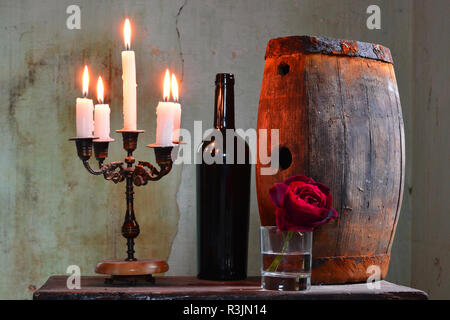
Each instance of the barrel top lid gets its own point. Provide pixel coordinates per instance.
(310, 44)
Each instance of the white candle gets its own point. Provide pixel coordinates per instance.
(129, 82)
(101, 115)
(168, 114)
(176, 122)
(85, 121)
(177, 106)
(165, 112)
(84, 110)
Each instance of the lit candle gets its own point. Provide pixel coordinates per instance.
(129, 81)
(177, 106)
(167, 114)
(84, 110)
(101, 114)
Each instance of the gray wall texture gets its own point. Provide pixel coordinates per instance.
(430, 234)
(54, 214)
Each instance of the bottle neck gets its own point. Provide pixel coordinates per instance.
(224, 102)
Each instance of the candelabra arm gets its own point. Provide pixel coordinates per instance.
(90, 170)
(165, 169)
(143, 175)
(114, 171)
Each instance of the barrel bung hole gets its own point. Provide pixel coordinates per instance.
(283, 69)
(285, 158)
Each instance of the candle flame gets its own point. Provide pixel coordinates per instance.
(100, 90)
(174, 88)
(127, 33)
(85, 81)
(166, 92)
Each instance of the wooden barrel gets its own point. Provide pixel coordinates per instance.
(338, 112)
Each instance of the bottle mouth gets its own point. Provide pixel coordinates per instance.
(224, 78)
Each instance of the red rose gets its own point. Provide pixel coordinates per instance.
(302, 204)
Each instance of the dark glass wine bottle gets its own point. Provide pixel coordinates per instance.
(223, 194)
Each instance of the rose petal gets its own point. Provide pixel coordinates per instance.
(322, 187)
(329, 201)
(332, 214)
(298, 185)
(277, 193)
(297, 206)
(312, 191)
(283, 224)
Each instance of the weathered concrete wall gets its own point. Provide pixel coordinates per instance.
(53, 213)
(430, 264)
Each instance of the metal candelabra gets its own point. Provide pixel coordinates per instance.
(134, 174)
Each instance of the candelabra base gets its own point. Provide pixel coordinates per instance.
(122, 269)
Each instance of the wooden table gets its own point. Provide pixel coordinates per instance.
(190, 288)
